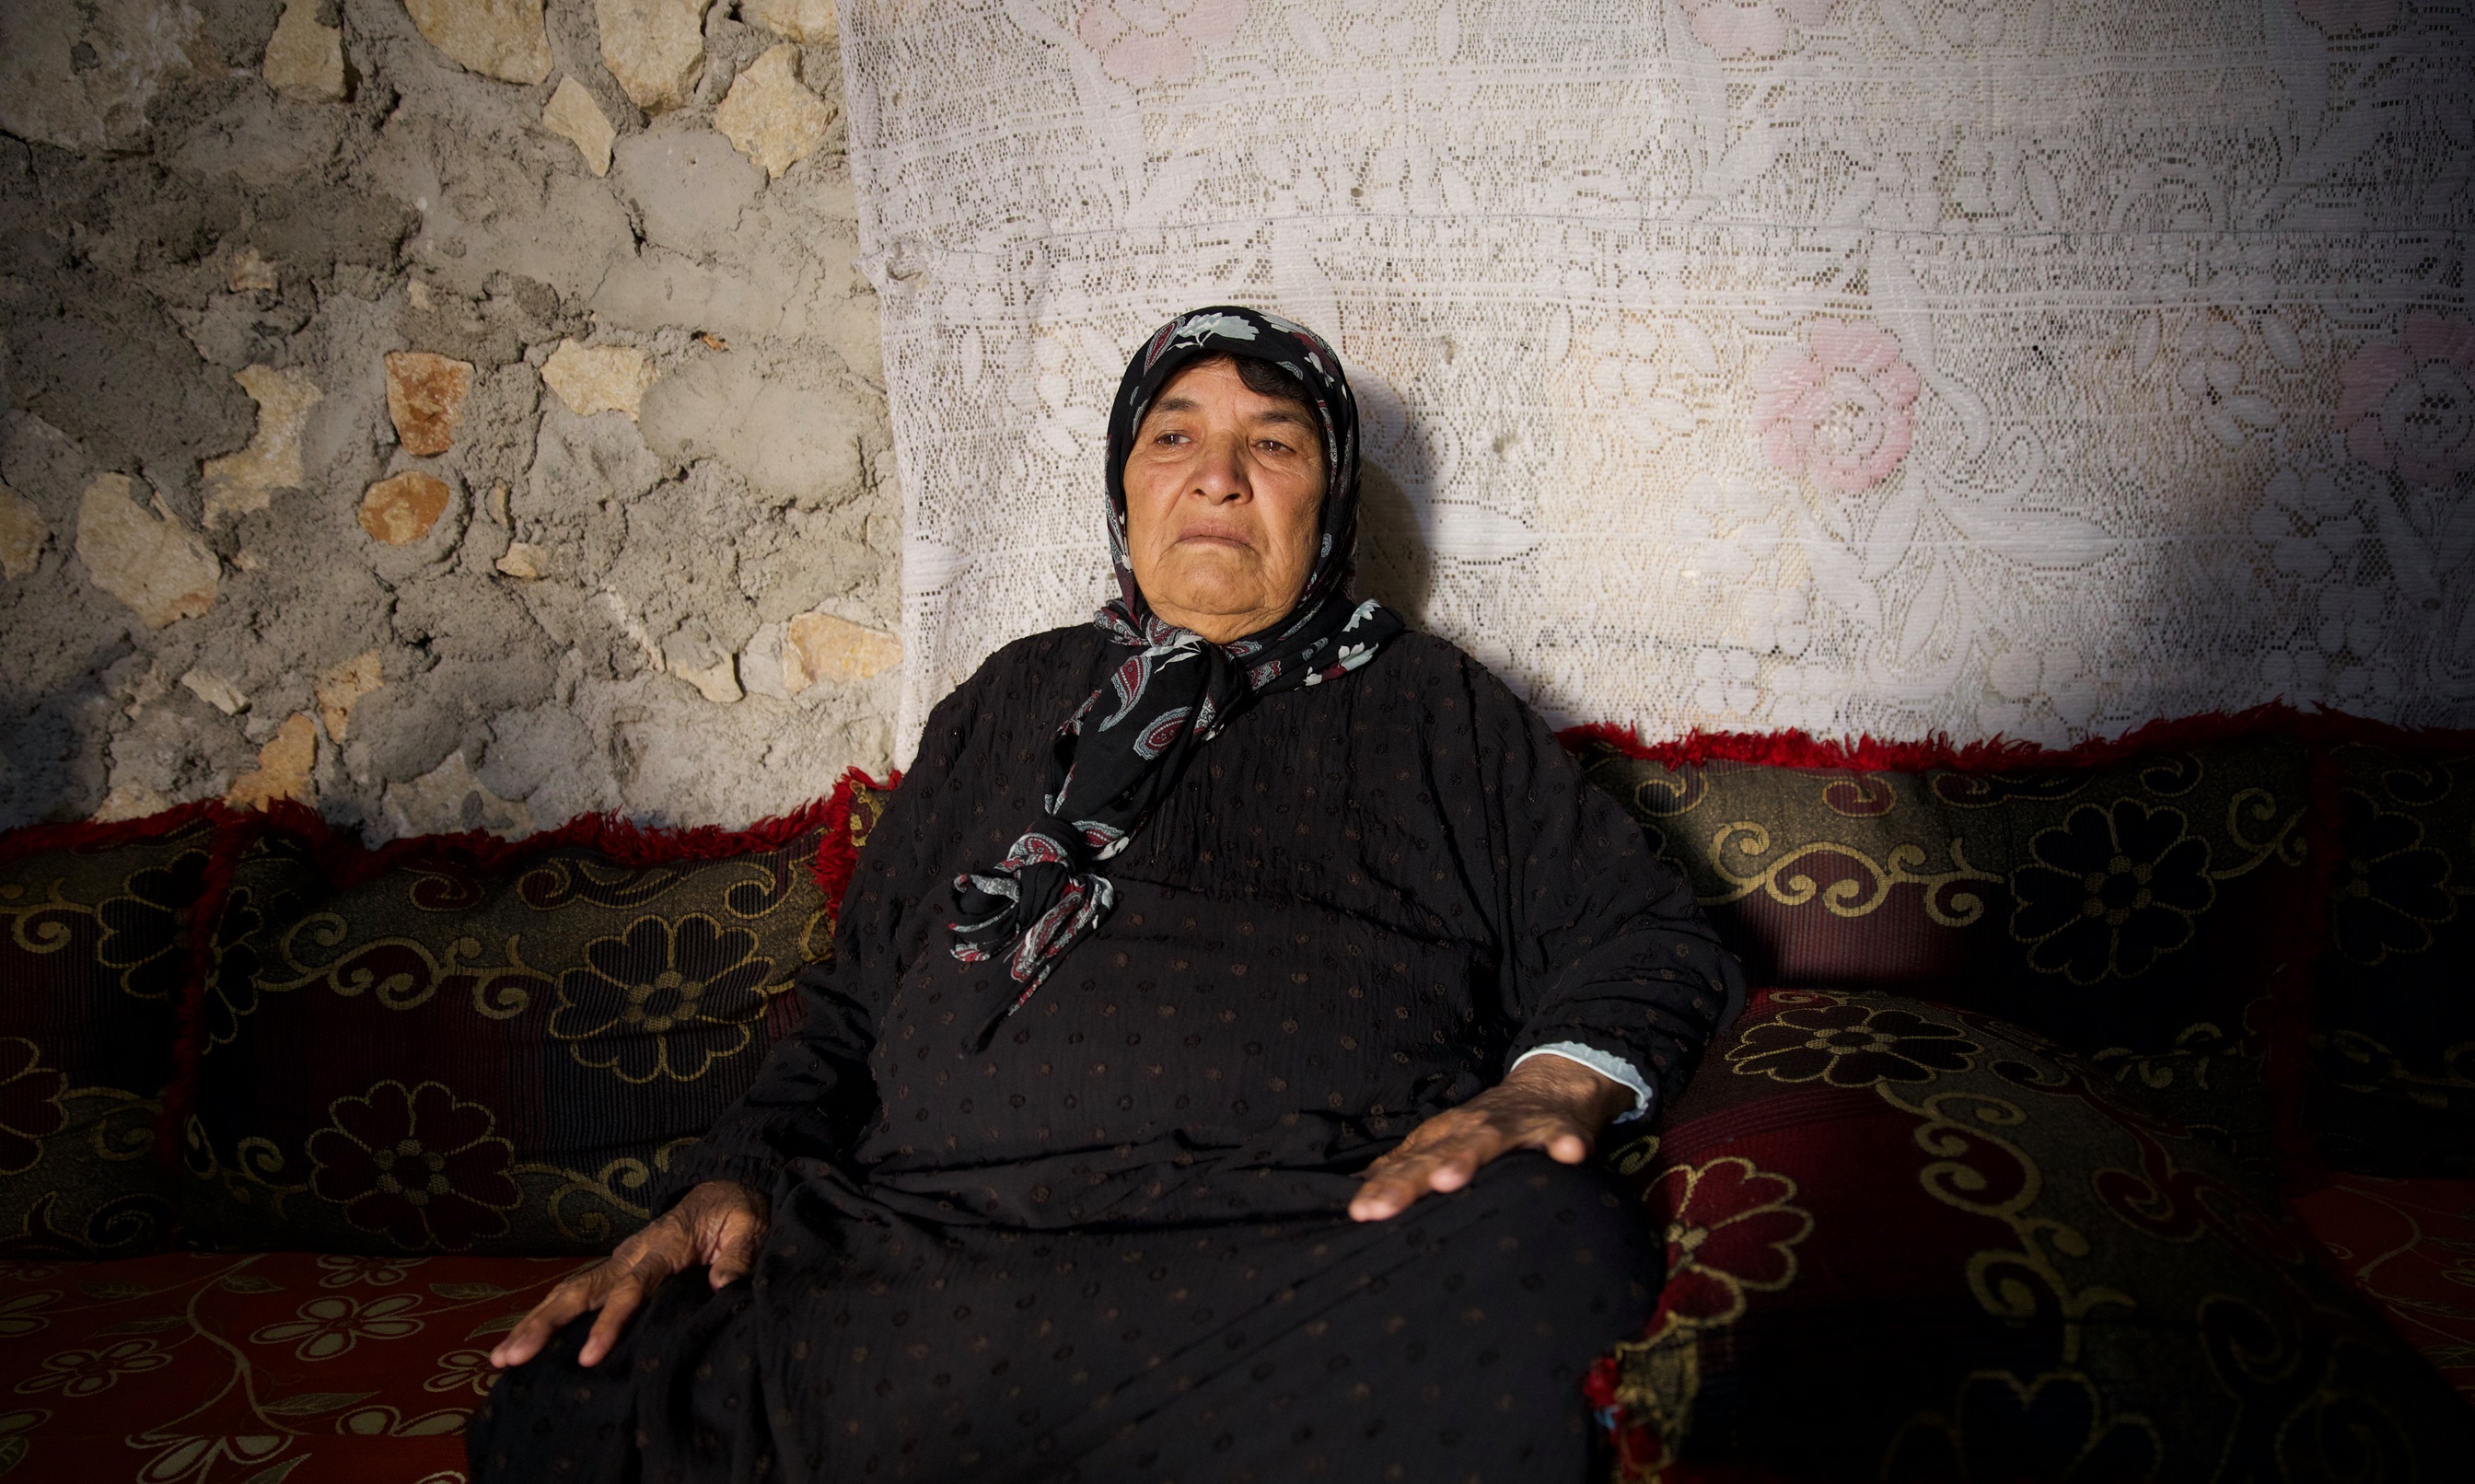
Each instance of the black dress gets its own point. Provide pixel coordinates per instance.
(1111, 1245)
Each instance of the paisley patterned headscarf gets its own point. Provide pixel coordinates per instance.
(1168, 690)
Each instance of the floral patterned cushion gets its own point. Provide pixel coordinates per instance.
(2147, 912)
(301, 1367)
(2393, 1019)
(1912, 1242)
(454, 1046)
(95, 948)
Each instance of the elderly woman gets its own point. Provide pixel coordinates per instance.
(1200, 1085)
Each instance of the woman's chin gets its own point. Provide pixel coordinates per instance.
(1210, 589)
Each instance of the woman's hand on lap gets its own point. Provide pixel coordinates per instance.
(1547, 1103)
(717, 1224)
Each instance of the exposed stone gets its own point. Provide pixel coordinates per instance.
(824, 647)
(239, 483)
(426, 396)
(130, 800)
(250, 271)
(216, 692)
(80, 76)
(794, 20)
(593, 379)
(654, 48)
(690, 186)
(223, 227)
(145, 689)
(448, 799)
(573, 116)
(283, 766)
(500, 38)
(691, 655)
(340, 686)
(770, 117)
(523, 561)
(304, 60)
(767, 662)
(399, 510)
(147, 561)
(22, 534)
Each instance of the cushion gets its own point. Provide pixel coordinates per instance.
(1912, 1242)
(95, 949)
(2407, 1247)
(304, 1366)
(2146, 906)
(2393, 1004)
(458, 1045)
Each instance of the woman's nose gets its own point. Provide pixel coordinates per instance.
(1221, 471)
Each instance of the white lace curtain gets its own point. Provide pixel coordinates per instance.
(1859, 365)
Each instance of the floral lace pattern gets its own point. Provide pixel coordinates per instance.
(1895, 367)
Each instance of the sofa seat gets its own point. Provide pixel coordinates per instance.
(219, 1367)
(2407, 1246)
(2048, 1148)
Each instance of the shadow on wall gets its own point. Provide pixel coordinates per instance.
(1396, 562)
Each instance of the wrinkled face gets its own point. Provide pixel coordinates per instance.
(1224, 489)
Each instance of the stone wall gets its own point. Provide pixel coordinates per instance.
(451, 413)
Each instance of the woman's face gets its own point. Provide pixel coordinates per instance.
(1224, 489)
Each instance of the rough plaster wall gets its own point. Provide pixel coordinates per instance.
(573, 625)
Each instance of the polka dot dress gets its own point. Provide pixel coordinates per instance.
(1110, 1245)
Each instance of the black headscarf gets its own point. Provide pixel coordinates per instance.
(1168, 690)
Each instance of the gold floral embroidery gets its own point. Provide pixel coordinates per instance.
(418, 1164)
(1749, 840)
(330, 1326)
(663, 999)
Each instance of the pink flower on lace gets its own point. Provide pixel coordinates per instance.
(1750, 28)
(2408, 404)
(1841, 411)
(2333, 15)
(1141, 42)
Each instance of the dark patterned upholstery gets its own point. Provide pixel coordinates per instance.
(2409, 1247)
(1915, 1243)
(95, 952)
(2393, 1019)
(426, 1050)
(2146, 913)
(307, 1367)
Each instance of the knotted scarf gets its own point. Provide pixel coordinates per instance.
(1166, 691)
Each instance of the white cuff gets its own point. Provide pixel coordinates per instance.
(1614, 1069)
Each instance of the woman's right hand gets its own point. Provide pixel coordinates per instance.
(717, 1224)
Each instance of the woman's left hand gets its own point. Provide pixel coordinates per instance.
(1546, 1102)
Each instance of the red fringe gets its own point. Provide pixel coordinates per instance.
(1793, 749)
(838, 854)
(626, 842)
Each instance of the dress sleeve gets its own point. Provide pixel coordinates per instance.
(815, 1093)
(1606, 956)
